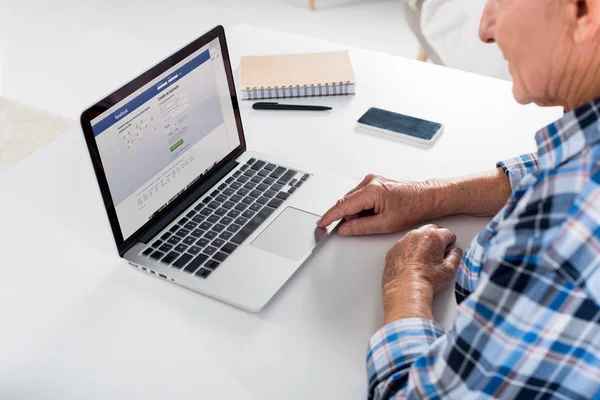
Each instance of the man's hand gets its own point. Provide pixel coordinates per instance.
(416, 268)
(381, 205)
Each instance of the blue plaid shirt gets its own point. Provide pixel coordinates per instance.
(528, 321)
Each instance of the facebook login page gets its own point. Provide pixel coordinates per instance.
(162, 138)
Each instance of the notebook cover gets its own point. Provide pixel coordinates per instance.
(296, 70)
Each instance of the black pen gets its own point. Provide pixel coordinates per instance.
(292, 107)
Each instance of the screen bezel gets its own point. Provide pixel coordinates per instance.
(124, 244)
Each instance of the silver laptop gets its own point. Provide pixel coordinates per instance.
(186, 202)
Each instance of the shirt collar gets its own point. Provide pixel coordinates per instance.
(569, 136)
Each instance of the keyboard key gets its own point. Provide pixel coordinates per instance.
(305, 177)
(228, 205)
(157, 244)
(226, 220)
(237, 173)
(283, 195)
(292, 190)
(222, 186)
(203, 273)
(248, 214)
(181, 248)
(243, 179)
(165, 236)
(217, 243)
(148, 251)
(226, 235)
(213, 218)
(251, 161)
(263, 200)
(233, 213)
(255, 193)
(220, 256)
(191, 214)
(262, 187)
(197, 233)
(233, 228)
(229, 248)
(206, 211)
(241, 220)
(202, 242)
(242, 192)
(218, 228)
(277, 187)
(174, 240)
(221, 198)
(278, 172)
(268, 181)
(275, 203)
(229, 180)
(287, 176)
(195, 263)
(236, 197)
(263, 172)
(205, 225)
(270, 193)
(293, 182)
(157, 255)
(174, 228)
(169, 258)
(221, 211)
(228, 191)
(258, 165)
(190, 226)
(207, 200)
(244, 167)
(252, 225)
(165, 248)
(250, 173)
(248, 200)
(255, 207)
(212, 265)
(270, 167)
(214, 204)
(199, 207)
(189, 240)
(241, 206)
(236, 185)
(209, 250)
(249, 185)
(198, 219)
(182, 232)
(210, 235)
(194, 250)
(299, 183)
(256, 179)
(183, 221)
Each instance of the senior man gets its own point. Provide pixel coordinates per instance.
(527, 325)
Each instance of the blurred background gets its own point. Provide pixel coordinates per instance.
(57, 57)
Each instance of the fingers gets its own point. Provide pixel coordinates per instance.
(453, 257)
(447, 236)
(351, 204)
(363, 226)
(362, 183)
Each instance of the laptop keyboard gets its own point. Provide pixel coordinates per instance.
(213, 229)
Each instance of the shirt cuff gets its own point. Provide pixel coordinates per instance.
(516, 168)
(392, 351)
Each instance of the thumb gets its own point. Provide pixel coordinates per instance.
(453, 257)
(363, 226)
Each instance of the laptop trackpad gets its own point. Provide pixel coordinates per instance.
(291, 235)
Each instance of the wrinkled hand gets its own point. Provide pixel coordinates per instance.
(416, 268)
(381, 205)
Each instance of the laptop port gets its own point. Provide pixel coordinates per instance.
(162, 276)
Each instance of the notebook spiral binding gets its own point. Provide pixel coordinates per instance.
(277, 92)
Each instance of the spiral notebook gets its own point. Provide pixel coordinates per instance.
(297, 75)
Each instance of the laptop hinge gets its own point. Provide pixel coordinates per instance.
(177, 211)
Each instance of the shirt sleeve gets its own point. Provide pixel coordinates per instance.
(516, 168)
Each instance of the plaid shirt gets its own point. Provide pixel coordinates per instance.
(527, 325)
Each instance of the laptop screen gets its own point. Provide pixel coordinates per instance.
(162, 138)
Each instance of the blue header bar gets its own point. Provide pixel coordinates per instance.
(146, 96)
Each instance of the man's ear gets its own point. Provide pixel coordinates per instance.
(587, 26)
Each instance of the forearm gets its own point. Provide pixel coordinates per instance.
(481, 194)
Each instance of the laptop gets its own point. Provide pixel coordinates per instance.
(186, 201)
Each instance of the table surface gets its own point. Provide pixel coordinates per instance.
(78, 322)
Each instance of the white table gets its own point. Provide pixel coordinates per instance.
(78, 322)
